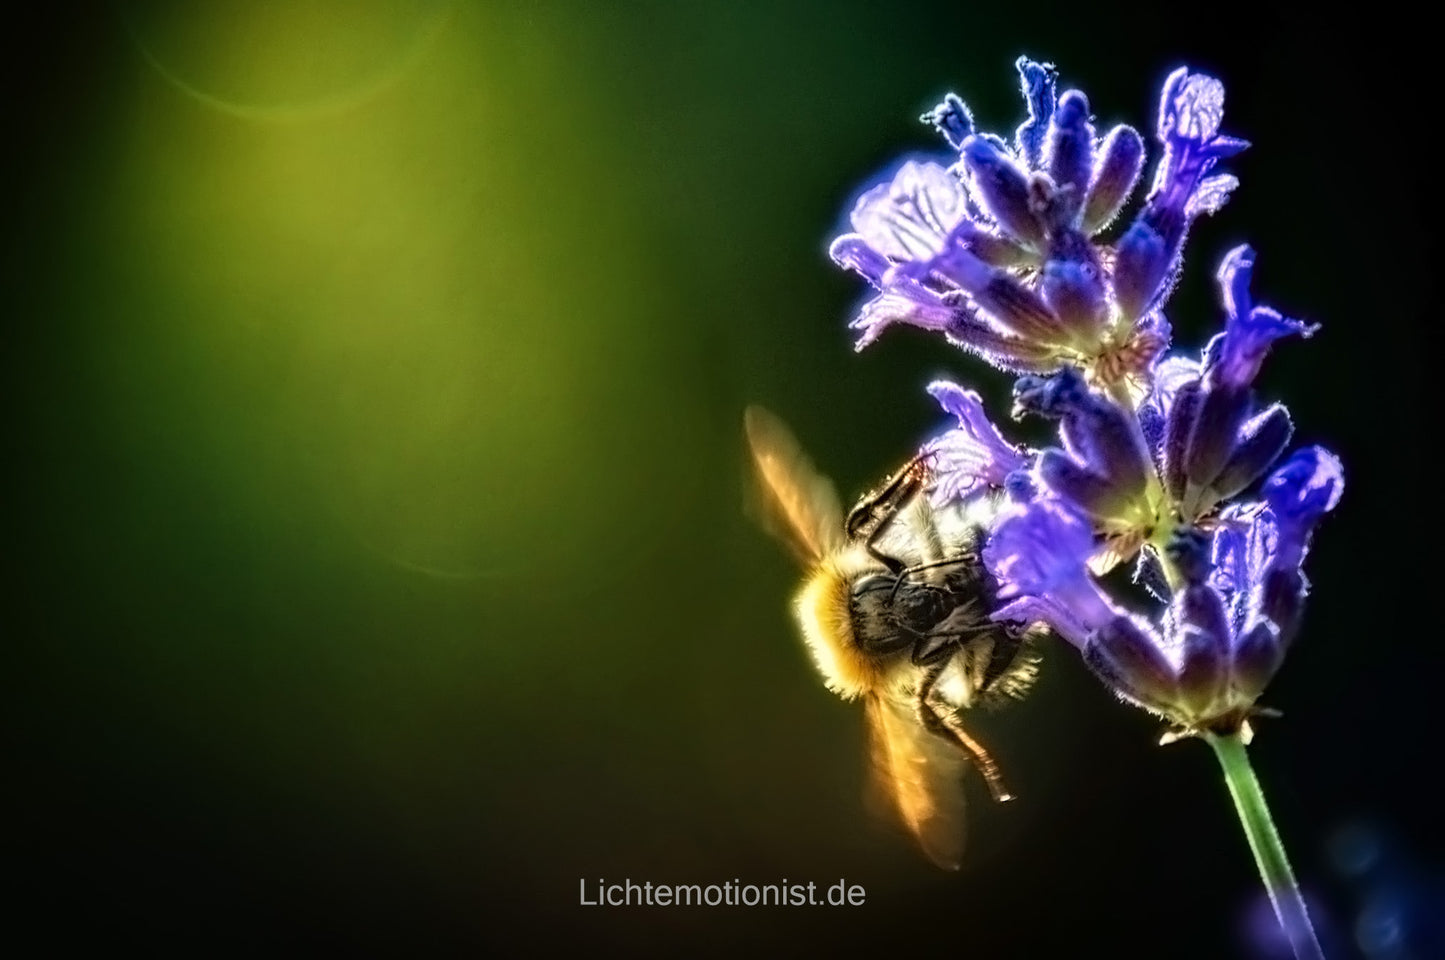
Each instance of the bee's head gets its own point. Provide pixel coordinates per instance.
(841, 606)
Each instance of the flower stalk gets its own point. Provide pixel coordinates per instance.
(1269, 855)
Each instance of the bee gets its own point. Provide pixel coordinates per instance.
(894, 610)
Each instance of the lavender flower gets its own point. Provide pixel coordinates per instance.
(1216, 443)
(1104, 468)
(1000, 252)
(1224, 634)
(1220, 639)
(1150, 481)
(1039, 555)
(972, 457)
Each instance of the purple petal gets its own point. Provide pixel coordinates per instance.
(1120, 163)
(912, 305)
(1203, 669)
(953, 119)
(1260, 442)
(1096, 495)
(1140, 267)
(1306, 487)
(993, 249)
(1201, 608)
(852, 252)
(1210, 195)
(1171, 374)
(1257, 656)
(1222, 411)
(1002, 350)
(1107, 440)
(1002, 188)
(1191, 107)
(1235, 357)
(1281, 599)
(1037, 83)
(1127, 655)
(909, 217)
(1041, 551)
(1183, 410)
(1231, 573)
(1075, 293)
(1096, 432)
(1035, 549)
(973, 455)
(1071, 142)
(1299, 493)
(1005, 298)
(1166, 378)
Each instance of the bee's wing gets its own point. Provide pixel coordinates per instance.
(798, 504)
(921, 777)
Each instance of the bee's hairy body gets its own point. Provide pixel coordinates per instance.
(871, 630)
(895, 609)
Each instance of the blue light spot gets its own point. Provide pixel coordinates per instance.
(1355, 849)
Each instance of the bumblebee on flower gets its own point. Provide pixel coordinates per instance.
(1159, 457)
(1002, 252)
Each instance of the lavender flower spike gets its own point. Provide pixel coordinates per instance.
(1223, 636)
(1226, 630)
(999, 251)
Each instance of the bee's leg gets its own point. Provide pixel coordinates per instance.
(873, 514)
(929, 647)
(932, 565)
(946, 725)
(1006, 648)
(895, 566)
(878, 508)
(945, 562)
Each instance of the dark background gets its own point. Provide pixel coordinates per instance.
(377, 570)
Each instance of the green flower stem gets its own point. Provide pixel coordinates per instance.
(1269, 854)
